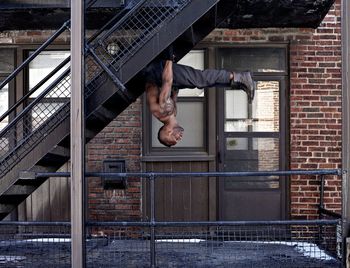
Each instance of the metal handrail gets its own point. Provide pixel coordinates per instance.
(46, 78)
(135, 7)
(337, 172)
(173, 223)
(30, 58)
(32, 104)
(115, 18)
(34, 89)
(111, 30)
(36, 53)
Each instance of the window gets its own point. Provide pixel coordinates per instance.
(6, 93)
(190, 114)
(39, 68)
(42, 65)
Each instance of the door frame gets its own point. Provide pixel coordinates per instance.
(284, 133)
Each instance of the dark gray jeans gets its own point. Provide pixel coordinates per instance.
(188, 77)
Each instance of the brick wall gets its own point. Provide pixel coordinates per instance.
(121, 139)
(315, 105)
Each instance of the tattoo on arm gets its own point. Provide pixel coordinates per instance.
(167, 82)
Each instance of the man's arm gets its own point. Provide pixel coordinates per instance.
(152, 94)
(174, 94)
(167, 83)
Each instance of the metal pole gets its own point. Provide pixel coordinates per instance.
(345, 34)
(152, 216)
(77, 134)
(321, 196)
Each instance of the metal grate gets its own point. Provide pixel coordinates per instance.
(243, 245)
(308, 244)
(36, 121)
(35, 246)
(116, 45)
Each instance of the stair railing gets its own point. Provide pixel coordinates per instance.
(142, 21)
(32, 56)
(15, 134)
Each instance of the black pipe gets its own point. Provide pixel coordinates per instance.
(172, 224)
(152, 223)
(146, 175)
(212, 223)
(36, 223)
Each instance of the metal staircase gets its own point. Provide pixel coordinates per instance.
(37, 138)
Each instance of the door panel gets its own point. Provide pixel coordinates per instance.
(251, 141)
(179, 198)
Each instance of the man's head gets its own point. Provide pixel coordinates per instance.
(170, 135)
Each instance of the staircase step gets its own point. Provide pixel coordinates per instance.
(56, 157)
(106, 113)
(6, 208)
(19, 190)
(60, 151)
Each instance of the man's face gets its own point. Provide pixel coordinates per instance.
(172, 136)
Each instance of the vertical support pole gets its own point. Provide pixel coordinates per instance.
(345, 34)
(322, 191)
(77, 134)
(152, 216)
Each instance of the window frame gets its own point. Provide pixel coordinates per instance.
(176, 153)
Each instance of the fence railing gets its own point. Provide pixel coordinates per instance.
(298, 243)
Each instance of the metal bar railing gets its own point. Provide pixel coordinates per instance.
(337, 172)
(210, 223)
(32, 104)
(172, 223)
(35, 53)
(152, 223)
(122, 20)
(33, 56)
(19, 129)
(35, 88)
(116, 17)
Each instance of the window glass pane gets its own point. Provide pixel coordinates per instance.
(252, 154)
(236, 144)
(4, 101)
(194, 59)
(236, 111)
(266, 106)
(253, 59)
(236, 104)
(261, 116)
(190, 117)
(42, 65)
(6, 60)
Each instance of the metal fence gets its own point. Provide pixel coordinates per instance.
(232, 244)
(152, 243)
(35, 244)
(229, 244)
